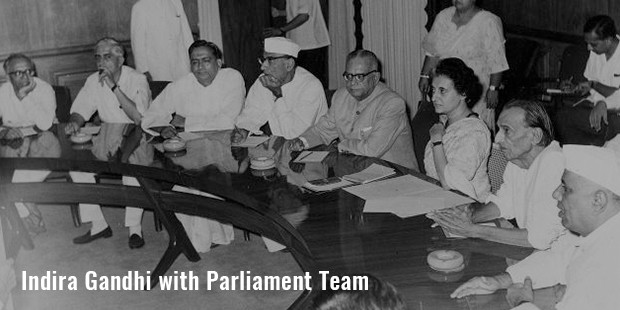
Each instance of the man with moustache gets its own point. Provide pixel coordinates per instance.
(589, 203)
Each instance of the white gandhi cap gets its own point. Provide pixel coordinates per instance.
(280, 45)
(597, 164)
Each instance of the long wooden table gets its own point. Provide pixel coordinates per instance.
(325, 231)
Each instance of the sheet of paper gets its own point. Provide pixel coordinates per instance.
(252, 141)
(311, 157)
(399, 186)
(91, 130)
(371, 173)
(451, 235)
(27, 131)
(416, 204)
(188, 136)
(328, 186)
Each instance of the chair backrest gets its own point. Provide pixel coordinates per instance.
(522, 55)
(496, 167)
(573, 63)
(63, 103)
(157, 87)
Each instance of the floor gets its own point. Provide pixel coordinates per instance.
(55, 252)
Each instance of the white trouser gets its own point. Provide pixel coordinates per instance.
(26, 176)
(201, 230)
(92, 212)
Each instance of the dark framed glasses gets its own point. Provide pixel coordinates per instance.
(268, 59)
(356, 77)
(20, 73)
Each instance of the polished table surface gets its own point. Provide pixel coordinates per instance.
(341, 237)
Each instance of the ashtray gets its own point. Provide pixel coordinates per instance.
(445, 261)
(80, 137)
(174, 145)
(262, 163)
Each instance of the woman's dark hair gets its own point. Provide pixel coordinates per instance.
(463, 77)
(602, 25)
(217, 52)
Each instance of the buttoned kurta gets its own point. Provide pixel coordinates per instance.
(587, 265)
(212, 107)
(376, 126)
(301, 105)
(526, 195)
(160, 38)
(37, 108)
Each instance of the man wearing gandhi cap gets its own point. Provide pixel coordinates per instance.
(286, 98)
(589, 203)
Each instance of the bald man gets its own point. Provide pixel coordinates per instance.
(589, 203)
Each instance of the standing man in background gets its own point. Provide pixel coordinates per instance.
(160, 37)
(306, 27)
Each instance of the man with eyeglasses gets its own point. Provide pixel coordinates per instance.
(26, 102)
(368, 117)
(119, 94)
(286, 98)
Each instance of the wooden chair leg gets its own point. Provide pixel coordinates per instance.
(75, 215)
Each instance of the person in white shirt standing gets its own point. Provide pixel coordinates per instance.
(589, 203)
(160, 37)
(26, 101)
(306, 27)
(119, 94)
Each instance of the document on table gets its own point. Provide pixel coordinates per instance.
(325, 185)
(91, 130)
(188, 136)
(27, 131)
(451, 235)
(372, 173)
(405, 196)
(311, 157)
(252, 141)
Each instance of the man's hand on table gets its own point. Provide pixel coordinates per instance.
(296, 145)
(72, 128)
(11, 134)
(168, 132)
(238, 135)
(457, 220)
(598, 115)
(482, 286)
(520, 292)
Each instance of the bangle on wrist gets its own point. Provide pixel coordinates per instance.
(424, 76)
(113, 88)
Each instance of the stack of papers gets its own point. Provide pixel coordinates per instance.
(311, 157)
(372, 173)
(406, 196)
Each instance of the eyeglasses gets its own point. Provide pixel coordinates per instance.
(20, 73)
(356, 77)
(268, 59)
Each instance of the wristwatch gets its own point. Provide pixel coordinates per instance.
(492, 88)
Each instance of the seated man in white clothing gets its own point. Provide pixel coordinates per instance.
(286, 99)
(119, 94)
(367, 116)
(26, 101)
(589, 203)
(535, 167)
(209, 98)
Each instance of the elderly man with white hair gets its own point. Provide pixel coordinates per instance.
(589, 203)
(287, 98)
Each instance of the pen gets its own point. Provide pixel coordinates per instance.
(300, 159)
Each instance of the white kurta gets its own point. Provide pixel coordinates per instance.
(213, 107)
(607, 72)
(301, 105)
(313, 33)
(587, 265)
(37, 108)
(467, 146)
(526, 196)
(160, 38)
(95, 97)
